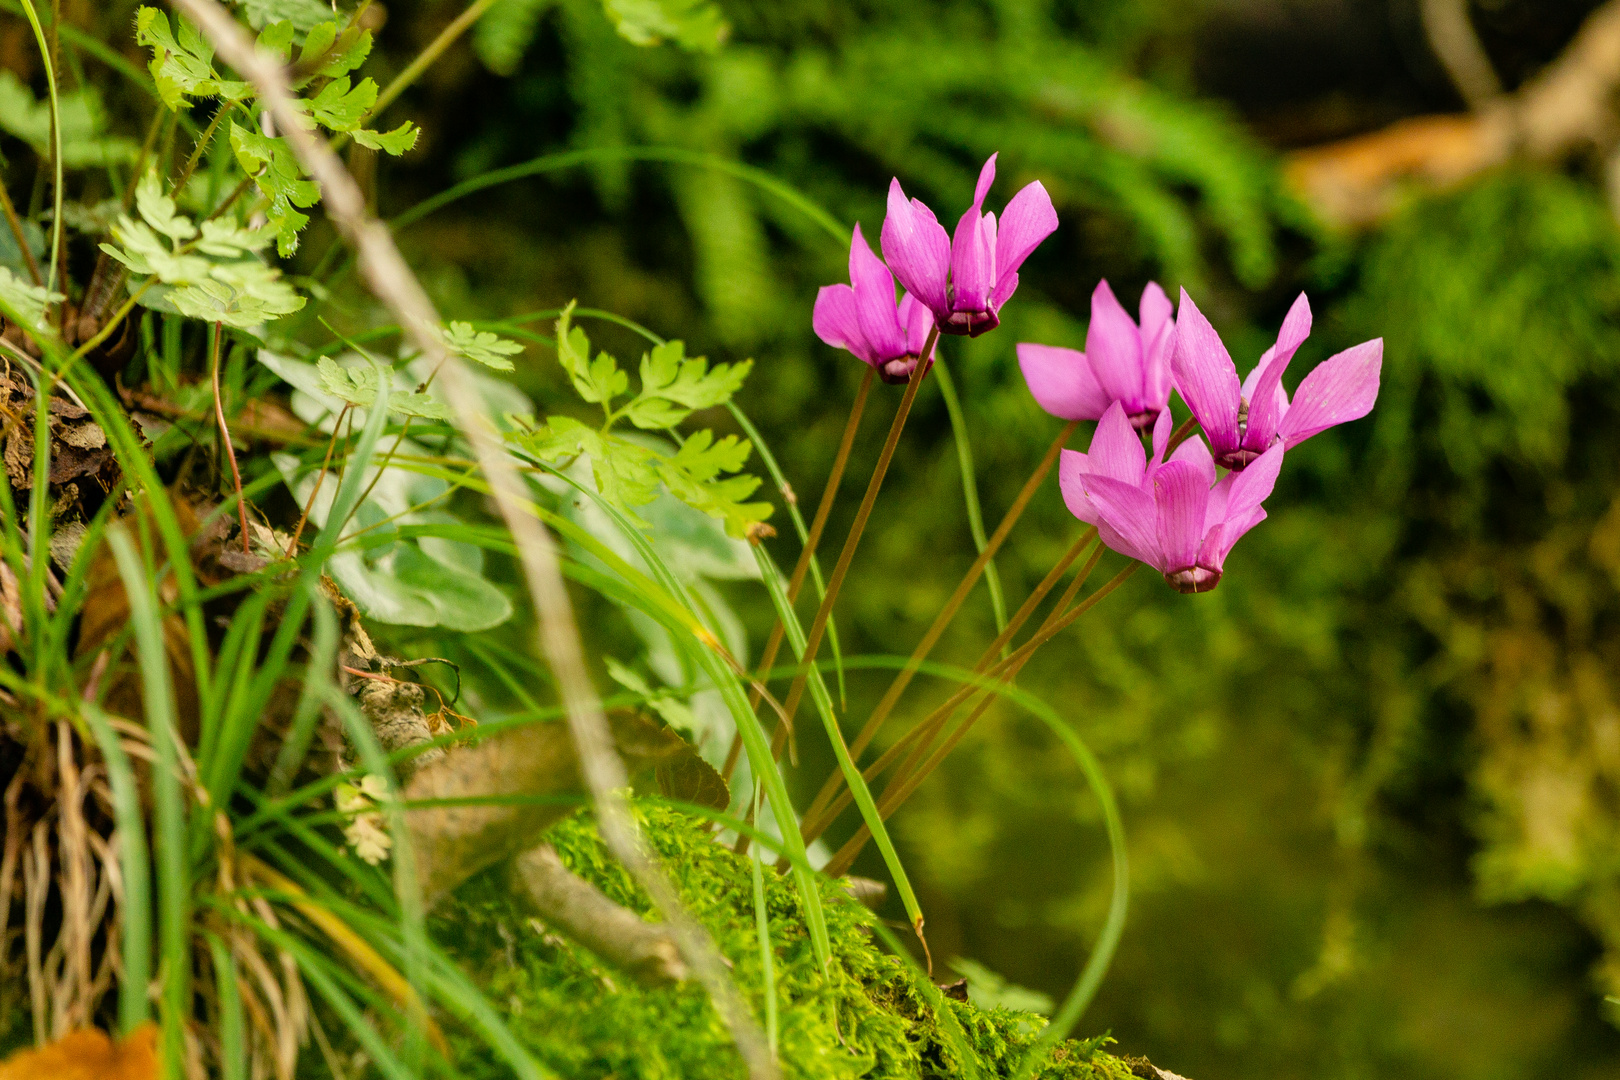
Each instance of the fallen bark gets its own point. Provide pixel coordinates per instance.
(1566, 110)
(642, 949)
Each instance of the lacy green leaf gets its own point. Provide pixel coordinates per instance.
(399, 141)
(673, 387)
(480, 346)
(358, 386)
(598, 380)
(276, 173)
(341, 105)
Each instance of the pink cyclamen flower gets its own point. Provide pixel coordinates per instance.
(1173, 515)
(1124, 361)
(964, 280)
(1244, 420)
(863, 318)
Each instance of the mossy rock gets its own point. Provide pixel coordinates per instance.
(868, 1017)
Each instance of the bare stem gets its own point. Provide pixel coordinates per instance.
(828, 494)
(816, 823)
(225, 440)
(835, 583)
(320, 478)
(901, 789)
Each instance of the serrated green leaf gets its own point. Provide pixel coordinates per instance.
(340, 106)
(26, 300)
(159, 211)
(358, 386)
(350, 53)
(277, 37)
(182, 65)
(672, 386)
(598, 380)
(145, 253)
(229, 240)
(277, 175)
(241, 295)
(480, 346)
(399, 141)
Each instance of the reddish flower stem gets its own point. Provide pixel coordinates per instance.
(943, 620)
(225, 438)
(812, 540)
(836, 582)
(815, 823)
(892, 798)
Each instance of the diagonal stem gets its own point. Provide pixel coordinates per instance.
(819, 627)
(901, 789)
(816, 823)
(812, 540)
(22, 239)
(943, 620)
(225, 441)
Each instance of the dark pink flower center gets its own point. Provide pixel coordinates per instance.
(1193, 579)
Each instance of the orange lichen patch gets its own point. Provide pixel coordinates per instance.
(88, 1054)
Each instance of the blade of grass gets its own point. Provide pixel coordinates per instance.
(136, 909)
(174, 879)
(829, 719)
(767, 953)
(232, 1033)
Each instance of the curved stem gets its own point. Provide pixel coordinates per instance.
(1006, 670)
(56, 141)
(926, 728)
(225, 441)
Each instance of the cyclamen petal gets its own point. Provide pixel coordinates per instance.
(1340, 389)
(1116, 451)
(973, 262)
(1180, 495)
(1158, 330)
(1062, 382)
(1072, 469)
(1206, 377)
(1027, 220)
(874, 300)
(1268, 402)
(1127, 518)
(1114, 347)
(836, 321)
(917, 250)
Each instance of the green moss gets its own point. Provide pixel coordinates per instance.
(868, 1017)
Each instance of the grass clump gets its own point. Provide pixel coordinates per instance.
(868, 1017)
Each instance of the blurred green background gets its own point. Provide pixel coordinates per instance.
(1371, 781)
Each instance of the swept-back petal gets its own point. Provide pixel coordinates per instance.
(1114, 347)
(1162, 430)
(1206, 376)
(1072, 469)
(987, 176)
(1180, 496)
(1127, 520)
(1027, 220)
(1061, 381)
(874, 300)
(917, 249)
(1220, 539)
(1253, 485)
(973, 262)
(1158, 328)
(1341, 388)
(836, 322)
(1268, 401)
(1116, 450)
